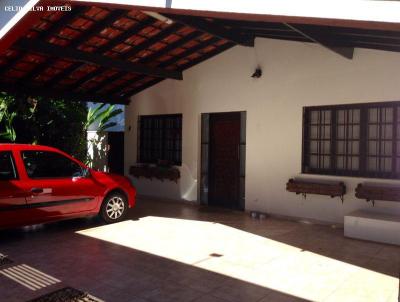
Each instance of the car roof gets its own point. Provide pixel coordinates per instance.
(26, 147)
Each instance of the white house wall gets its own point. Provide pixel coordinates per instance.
(97, 150)
(294, 75)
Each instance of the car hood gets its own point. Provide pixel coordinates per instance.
(105, 177)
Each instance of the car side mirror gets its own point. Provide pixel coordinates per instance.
(86, 172)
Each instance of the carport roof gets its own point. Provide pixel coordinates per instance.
(104, 54)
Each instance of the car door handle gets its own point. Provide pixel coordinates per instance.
(37, 190)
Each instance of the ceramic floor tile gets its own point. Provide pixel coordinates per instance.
(281, 297)
(209, 298)
(171, 293)
(169, 251)
(365, 286)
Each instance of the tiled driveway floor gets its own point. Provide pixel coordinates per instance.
(177, 252)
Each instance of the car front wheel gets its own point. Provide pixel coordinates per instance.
(114, 208)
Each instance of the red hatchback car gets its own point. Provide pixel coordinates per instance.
(40, 184)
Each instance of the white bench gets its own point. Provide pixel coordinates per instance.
(372, 226)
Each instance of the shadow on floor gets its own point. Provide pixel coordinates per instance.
(117, 273)
(323, 240)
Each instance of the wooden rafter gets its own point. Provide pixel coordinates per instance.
(108, 46)
(95, 29)
(153, 56)
(136, 49)
(206, 56)
(346, 52)
(156, 38)
(216, 30)
(108, 80)
(136, 90)
(173, 60)
(189, 52)
(63, 74)
(59, 94)
(66, 18)
(121, 38)
(98, 27)
(210, 54)
(177, 44)
(53, 50)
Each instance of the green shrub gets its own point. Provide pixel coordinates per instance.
(55, 123)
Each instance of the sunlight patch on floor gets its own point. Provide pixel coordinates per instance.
(250, 258)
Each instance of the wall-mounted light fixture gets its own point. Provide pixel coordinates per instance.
(257, 73)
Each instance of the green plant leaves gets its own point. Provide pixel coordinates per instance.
(101, 115)
(6, 120)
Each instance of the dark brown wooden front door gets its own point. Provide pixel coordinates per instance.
(224, 174)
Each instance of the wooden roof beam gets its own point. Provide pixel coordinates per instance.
(84, 36)
(177, 44)
(152, 57)
(156, 38)
(108, 46)
(135, 49)
(136, 90)
(361, 14)
(216, 30)
(54, 28)
(189, 52)
(171, 61)
(62, 74)
(35, 91)
(346, 52)
(98, 27)
(210, 54)
(125, 35)
(53, 50)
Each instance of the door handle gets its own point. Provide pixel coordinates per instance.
(37, 190)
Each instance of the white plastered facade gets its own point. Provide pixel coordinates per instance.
(295, 75)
